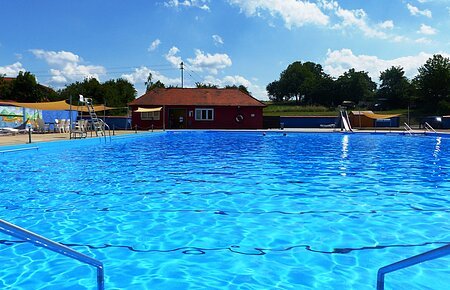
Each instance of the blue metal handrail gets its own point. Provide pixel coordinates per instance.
(40, 241)
(430, 255)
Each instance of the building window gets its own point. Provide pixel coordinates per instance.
(204, 114)
(150, 116)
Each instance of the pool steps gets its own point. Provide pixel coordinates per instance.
(408, 262)
(23, 234)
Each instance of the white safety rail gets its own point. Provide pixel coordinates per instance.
(20, 233)
(408, 262)
(428, 128)
(407, 129)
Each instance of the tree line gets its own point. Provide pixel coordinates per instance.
(24, 88)
(307, 84)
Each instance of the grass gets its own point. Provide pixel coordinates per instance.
(288, 110)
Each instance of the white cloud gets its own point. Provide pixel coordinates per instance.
(217, 39)
(139, 76)
(154, 45)
(358, 18)
(427, 30)
(202, 4)
(294, 13)
(389, 24)
(66, 66)
(254, 89)
(56, 57)
(209, 62)
(201, 62)
(172, 57)
(12, 70)
(423, 40)
(416, 11)
(340, 61)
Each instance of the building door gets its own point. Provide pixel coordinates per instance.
(177, 119)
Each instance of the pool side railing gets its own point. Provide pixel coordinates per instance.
(428, 128)
(20, 233)
(408, 262)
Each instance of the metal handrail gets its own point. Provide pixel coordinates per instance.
(429, 128)
(19, 149)
(407, 128)
(427, 256)
(40, 241)
(104, 125)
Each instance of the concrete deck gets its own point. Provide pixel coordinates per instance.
(48, 137)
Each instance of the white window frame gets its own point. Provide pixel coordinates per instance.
(154, 116)
(199, 114)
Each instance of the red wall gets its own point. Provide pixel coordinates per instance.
(224, 118)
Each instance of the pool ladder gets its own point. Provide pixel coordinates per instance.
(407, 129)
(408, 262)
(20, 233)
(428, 128)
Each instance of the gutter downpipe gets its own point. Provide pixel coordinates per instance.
(164, 117)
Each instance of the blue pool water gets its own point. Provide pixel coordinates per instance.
(217, 210)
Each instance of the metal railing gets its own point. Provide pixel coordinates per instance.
(430, 255)
(40, 241)
(429, 128)
(18, 149)
(407, 128)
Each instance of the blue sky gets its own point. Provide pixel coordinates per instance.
(222, 42)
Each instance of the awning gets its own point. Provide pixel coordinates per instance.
(148, 110)
(379, 116)
(56, 106)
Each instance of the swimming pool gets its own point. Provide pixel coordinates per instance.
(224, 210)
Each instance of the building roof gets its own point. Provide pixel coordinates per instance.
(196, 97)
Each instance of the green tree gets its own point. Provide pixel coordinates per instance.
(199, 85)
(355, 86)
(275, 92)
(89, 88)
(115, 93)
(394, 87)
(5, 88)
(432, 85)
(303, 82)
(118, 93)
(242, 88)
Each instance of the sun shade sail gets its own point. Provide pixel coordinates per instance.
(148, 110)
(379, 116)
(56, 106)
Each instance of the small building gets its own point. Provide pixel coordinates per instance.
(196, 108)
(360, 119)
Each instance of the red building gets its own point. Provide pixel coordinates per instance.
(192, 108)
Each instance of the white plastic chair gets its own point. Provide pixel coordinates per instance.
(61, 124)
(42, 126)
(67, 126)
